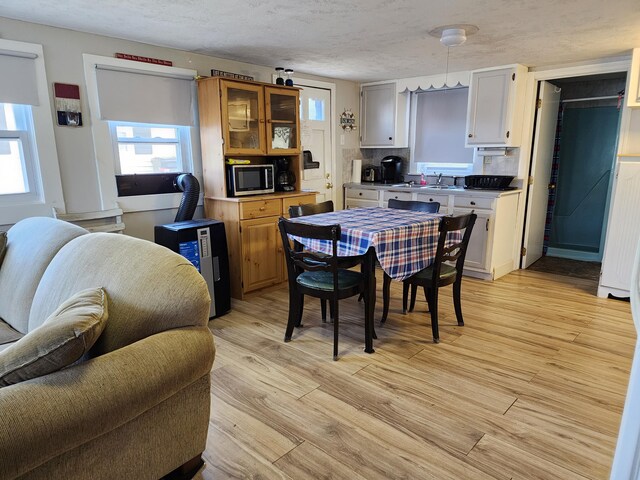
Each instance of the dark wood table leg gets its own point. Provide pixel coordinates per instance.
(370, 301)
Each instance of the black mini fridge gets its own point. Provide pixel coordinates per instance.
(204, 243)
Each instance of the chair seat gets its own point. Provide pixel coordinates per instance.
(343, 262)
(446, 271)
(321, 280)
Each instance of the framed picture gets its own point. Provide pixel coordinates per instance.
(281, 137)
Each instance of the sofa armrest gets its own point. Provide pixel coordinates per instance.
(46, 416)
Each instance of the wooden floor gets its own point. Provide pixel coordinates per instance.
(532, 386)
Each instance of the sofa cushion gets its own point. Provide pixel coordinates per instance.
(31, 244)
(3, 245)
(151, 289)
(61, 340)
(8, 334)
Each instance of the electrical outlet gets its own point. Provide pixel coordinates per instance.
(487, 160)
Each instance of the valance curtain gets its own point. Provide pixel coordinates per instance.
(18, 78)
(128, 95)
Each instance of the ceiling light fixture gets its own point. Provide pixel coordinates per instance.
(453, 35)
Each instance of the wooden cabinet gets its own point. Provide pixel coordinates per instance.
(633, 97)
(496, 107)
(256, 256)
(245, 120)
(384, 116)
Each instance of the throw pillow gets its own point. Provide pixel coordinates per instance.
(3, 245)
(64, 337)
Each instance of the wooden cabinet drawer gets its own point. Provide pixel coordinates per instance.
(473, 202)
(386, 195)
(261, 208)
(362, 193)
(443, 200)
(295, 201)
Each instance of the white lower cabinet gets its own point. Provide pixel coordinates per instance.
(478, 254)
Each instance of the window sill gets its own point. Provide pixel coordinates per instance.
(144, 203)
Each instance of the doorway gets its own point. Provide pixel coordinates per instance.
(572, 160)
(317, 139)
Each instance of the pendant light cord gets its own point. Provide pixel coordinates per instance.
(446, 71)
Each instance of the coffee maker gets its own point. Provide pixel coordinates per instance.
(285, 179)
(391, 169)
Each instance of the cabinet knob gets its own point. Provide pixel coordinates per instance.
(390, 138)
(431, 199)
(507, 133)
(360, 194)
(470, 135)
(262, 209)
(472, 203)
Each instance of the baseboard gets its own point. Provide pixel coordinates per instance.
(574, 254)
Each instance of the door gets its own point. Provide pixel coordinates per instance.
(541, 161)
(243, 118)
(478, 250)
(261, 253)
(317, 169)
(282, 121)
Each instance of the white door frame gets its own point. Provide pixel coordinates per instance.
(528, 123)
(303, 82)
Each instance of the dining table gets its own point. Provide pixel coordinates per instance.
(403, 242)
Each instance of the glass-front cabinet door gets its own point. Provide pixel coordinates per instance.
(283, 133)
(243, 118)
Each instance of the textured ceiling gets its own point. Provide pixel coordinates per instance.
(360, 40)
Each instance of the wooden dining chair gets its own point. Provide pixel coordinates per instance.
(418, 206)
(440, 274)
(317, 275)
(343, 262)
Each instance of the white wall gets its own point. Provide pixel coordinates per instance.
(63, 51)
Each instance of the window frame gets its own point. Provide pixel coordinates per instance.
(40, 146)
(106, 157)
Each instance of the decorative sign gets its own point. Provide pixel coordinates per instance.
(237, 76)
(137, 58)
(67, 101)
(347, 120)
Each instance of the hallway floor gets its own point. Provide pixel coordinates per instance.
(567, 267)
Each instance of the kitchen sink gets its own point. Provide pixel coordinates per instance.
(417, 185)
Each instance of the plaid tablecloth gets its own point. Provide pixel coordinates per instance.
(405, 241)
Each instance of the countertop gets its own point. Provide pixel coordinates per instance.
(450, 190)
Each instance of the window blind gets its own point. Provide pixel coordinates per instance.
(18, 79)
(440, 130)
(145, 97)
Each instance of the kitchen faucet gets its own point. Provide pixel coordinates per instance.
(439, 180)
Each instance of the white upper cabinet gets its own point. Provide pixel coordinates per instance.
(384, 115)
(633, 98)
(496, 105)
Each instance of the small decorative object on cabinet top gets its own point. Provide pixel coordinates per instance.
(347, 120)
(279, 80)
(289, 81)
(236, 76)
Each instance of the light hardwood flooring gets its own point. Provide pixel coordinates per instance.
(532, 386)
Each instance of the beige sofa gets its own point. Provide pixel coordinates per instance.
(138, 407)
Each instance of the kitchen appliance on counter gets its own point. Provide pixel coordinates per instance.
(391, 169)
(285, 179)
(488, 182)
(370, 174)
(249, 179)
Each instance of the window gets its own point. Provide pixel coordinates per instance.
(143, 125)
(146, 148)
(16, 164)
(439, 131)
(29, 173)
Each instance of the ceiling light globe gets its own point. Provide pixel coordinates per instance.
(452, 37)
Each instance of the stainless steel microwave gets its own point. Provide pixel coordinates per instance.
(249, 180)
